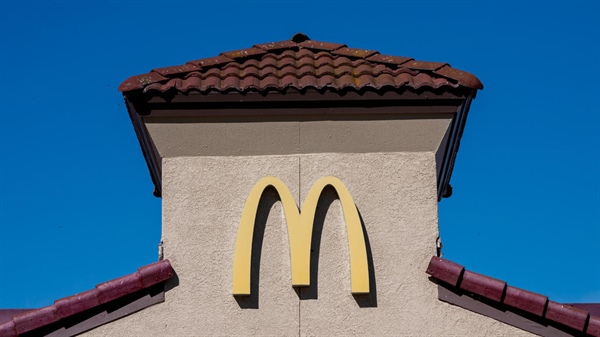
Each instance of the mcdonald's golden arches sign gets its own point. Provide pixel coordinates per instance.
(300, 229)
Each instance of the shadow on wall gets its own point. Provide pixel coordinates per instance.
(368, 300)
(172, 282)
(268, 199)
(311, 292)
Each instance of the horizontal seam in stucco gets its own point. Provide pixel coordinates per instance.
(388, 153)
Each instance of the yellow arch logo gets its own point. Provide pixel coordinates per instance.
(300, 228)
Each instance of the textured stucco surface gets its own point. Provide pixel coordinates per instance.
(202, 205)
(396, 196)
(395, 193)
(193, 138)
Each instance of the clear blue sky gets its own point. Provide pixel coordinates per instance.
(76, 204)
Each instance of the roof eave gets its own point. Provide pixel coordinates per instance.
(140, 105)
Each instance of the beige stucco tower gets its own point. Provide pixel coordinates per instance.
(387, 127)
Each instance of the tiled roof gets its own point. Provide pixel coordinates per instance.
(496, 291)
(300, 63)
(144, 278)
(7, 314)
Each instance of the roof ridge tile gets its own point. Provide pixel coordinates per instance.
(525, 300)
(498, 291)
(174, 70)
(567, 315)
(35, 319)
(212, 61)
(445, 270)
(424, 65)
(387, 59)
(593, 328)
(324, 46)
(354, 52)
(271, 46)
(483, 285)
(140, 81)
(108, 291)
(464, 78)
(77, 303)
(243, 53)
(335, 58)
(8, 329)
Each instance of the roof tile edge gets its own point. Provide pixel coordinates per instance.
(144, 278)
(139, 82)
(530, 302)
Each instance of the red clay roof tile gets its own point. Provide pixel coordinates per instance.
(276, 45)
(243, 53)
(592, 308)
(593, 328)
(145, 277)
(111, 290)
(212, 61)
(464, 78)
(314, 71)
(525, 300)
(35, 319)
(77, 303)
(140, 81)
(497, 291)
(316, 45)
(184, 68)
(7, 314)
(482, 285)
(355, 52)
(387, 59)
(567, 315)
(424, 65)
(445, 270)
(8, 329)
(155, 273)
(306, 64)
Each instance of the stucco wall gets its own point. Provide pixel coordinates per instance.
(194, 137)
(395, 193)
